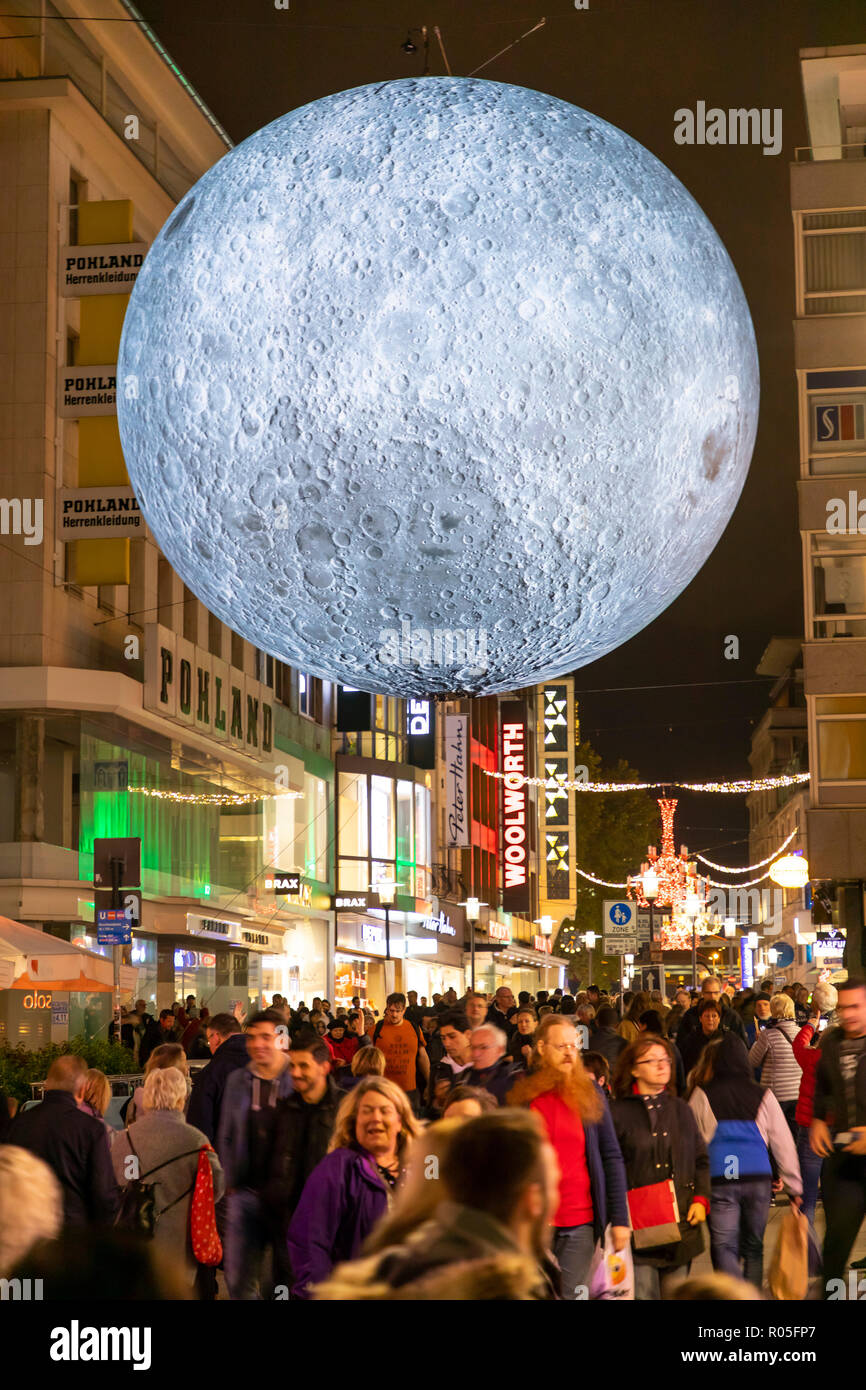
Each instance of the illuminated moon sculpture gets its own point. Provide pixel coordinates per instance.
(438, 385)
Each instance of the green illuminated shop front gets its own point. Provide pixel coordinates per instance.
(209, 925)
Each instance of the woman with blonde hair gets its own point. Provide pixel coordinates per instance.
(367, 1061)
(352, 1188)
(97, 1097)
(774, 1059)
(577, 1121)
(167, 1151)
(628, 1029)
(31, 1205)
(166, 1055)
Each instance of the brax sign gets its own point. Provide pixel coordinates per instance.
(187, 684)
(284, 883)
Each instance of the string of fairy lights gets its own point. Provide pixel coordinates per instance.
(724, 868)
(214, 798)
(756, 784)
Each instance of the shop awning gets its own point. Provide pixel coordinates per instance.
(45, 962)
(526, 955)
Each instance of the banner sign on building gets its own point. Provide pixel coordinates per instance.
(94, 512)
(515, 814)
(85, 391)
(187, 684)
(421, 733)
(109, 269)
(557, 801)
(354, 710)
(283, 883)
(456, 780)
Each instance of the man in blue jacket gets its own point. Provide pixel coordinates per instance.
(245, 1144)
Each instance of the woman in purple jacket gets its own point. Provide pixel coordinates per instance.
(347, 1193)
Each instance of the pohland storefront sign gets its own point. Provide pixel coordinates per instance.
(189, 686)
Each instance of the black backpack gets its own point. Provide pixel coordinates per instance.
(138, 1211)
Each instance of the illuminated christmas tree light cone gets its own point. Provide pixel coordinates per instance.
(676, 880)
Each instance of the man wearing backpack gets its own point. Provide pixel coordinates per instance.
(406, 1061)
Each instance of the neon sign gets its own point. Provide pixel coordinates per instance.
(515, 857)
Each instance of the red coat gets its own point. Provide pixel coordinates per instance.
(346, 1048)
(808, 1058)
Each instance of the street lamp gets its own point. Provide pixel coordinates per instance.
(473, 912)
(387, 890)
(730, 932)
(650, 885)
(589, 941)
(791, 871)
(692, 907)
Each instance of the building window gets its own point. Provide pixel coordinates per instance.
(838, 585)
(190, 615)
(834, 262)
(841, 737)
(214, 635)
(237, 652)
(77, 187)
(837, 432)
(164, 589)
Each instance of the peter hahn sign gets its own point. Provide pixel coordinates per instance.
(185, 683)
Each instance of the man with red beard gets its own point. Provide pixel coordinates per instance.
(575, 1114)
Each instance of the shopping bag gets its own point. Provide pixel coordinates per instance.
(206, 1244)
(611, 1274)
(654, 1214)
(789, 1267)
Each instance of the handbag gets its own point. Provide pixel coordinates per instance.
(206, 1244)
(654, 1214)
(789, 1269)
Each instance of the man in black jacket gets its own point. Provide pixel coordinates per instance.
(229, 1051)
(73, 1144)
(711, 988)
(604, 1038)
(492, 1069)
(303, 1127)
(838, 1130)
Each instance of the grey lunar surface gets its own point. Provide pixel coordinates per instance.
(444, 353)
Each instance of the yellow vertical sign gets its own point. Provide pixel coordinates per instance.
(100, 457)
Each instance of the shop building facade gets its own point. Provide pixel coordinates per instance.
(828, 199)
(126, 708)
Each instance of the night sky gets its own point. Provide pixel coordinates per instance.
(633, 64)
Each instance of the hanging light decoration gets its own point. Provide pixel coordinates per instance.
(677, 883)
(791, 871)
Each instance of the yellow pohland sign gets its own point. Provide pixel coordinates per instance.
(100, 457)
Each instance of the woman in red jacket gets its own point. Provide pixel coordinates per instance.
(807, 1053)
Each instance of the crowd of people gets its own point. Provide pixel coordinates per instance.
(466, 1148)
